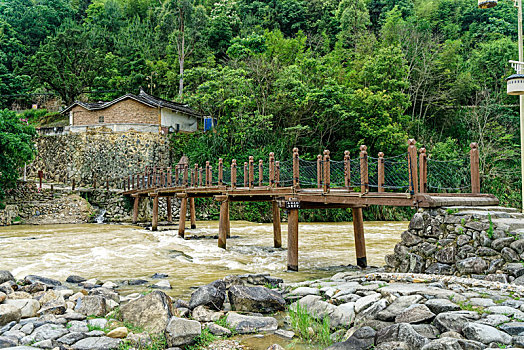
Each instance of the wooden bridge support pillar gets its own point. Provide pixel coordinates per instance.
(182, 219)
(292, 240)
(192, 212)
(169, 210)
(154, 221)
(360, 242)
(223, 226)
(135, 209)
(277, 234)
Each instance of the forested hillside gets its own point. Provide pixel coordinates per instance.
(315, 74)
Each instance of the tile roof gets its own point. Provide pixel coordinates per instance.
(142, 97)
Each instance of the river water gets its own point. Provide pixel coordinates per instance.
(118, 252)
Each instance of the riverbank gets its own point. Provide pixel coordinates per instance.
(349, 310)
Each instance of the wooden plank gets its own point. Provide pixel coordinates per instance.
(475, 172)
(135, 209)
(182, 219)
(327, 171)
(360, 242)
(154, 223)
(296, 169)
(292, 240)
(380, 170)
(192, 212)
(423, 171)
(364, 174)
(277, 234)
(169, 210)
(413, 171)
(223, 224)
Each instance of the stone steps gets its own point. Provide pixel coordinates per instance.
(509, 224)
(484, 215)
(484, 208)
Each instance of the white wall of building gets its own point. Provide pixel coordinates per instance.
(172, 118)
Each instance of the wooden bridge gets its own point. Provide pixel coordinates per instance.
(296, 184)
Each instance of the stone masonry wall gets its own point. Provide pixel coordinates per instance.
(485, 243)
(127, 111)
(106, 154)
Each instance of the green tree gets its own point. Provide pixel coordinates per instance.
(16, 148)
(69, 62)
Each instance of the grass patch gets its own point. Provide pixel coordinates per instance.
(203, 340)
(468, 307)
(158, 342)
(308, 328)
(490, 229)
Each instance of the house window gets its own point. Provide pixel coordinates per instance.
(101, 119)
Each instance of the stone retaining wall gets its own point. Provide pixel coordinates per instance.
(484, 243)
(30, 205)
(106, 154)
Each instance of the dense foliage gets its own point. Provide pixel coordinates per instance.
(276, 74)
(16, 148)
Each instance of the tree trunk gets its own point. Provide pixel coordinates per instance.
(181, 57)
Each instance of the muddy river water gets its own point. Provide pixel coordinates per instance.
(117, 252)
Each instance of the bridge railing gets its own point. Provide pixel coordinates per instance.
(412, 172)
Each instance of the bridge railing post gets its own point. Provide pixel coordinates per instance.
(169, 177)
(271, 169)
(186, 174)
(251, 172)
(296, 169)
(206, 181)
(260, 172)
(347, 170)
(380, 171)
(277, 173)
(320, 172)
(210, 175)
(327, 171)
(423, 171)
(364, 171)
(413, 172)
(200, 176)
(246, 174)
(474, 158)
(234, 173)
(220, 171)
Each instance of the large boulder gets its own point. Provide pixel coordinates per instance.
(9, 313)
(474, 265)
(485, 334)
(397, 306)
(6, 276)
(181, 331)
(416, 313)
(454, 320)
(255, 299)
(447, 343)
(251, 324)
(211, 295)
(151, 312)
(49, 282)
(28, 307)
(48, 331)
(97, 343)
(91, 305)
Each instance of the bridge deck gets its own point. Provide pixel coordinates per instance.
(296, 184)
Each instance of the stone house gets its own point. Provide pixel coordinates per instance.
(142, 113)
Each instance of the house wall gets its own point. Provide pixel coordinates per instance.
(126, 111)
(172, 118)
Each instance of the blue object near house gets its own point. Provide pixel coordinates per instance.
(208, 124)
